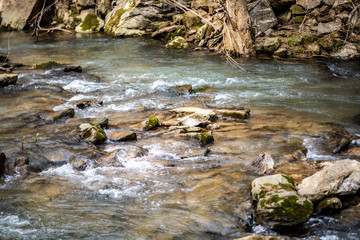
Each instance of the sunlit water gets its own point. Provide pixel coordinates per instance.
(161, 195)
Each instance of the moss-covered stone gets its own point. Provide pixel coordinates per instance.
(151, 124)
(48, 64)
(297, 10)
(93, 133)
(90, 22)
(68, 113)
(114, 20)
(206, 138)
(178, 42)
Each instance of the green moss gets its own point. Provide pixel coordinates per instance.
(262, 203)
(151, 124)
(48, 64)
(289, 179)
(90, 22)
(274, 199)
(290, 210)
(115, 19)
(206, 138)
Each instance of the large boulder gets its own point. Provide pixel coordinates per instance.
(337, 179)
(15, 14)
(262, 16)
(347, 52)
(8, 79)
(277, 203)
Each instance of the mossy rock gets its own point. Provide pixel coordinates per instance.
(151, 124)
(202, 138)
(297, 19)
(91, 132)
(68, 113)
(90, 22)
(178, 42)
(48, 64)
(297, 10)
(114, 20)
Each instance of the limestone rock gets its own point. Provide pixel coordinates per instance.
(262, 16)
(329, 27)
(347, 52)
(194, 117)
(8, 79)
(16, 13)
(277, 203)
(308, 4)
(340, 178)
(177, 42)
(91, 132)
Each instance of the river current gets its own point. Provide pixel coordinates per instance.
(162, 194)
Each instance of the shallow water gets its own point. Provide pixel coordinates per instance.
(165, 194)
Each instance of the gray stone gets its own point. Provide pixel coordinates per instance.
(262, 16)
(8, 79)
(308, 4)
(264, 163)
(329, 205)
(347, 52)
(324, 28)
(337, 179)
(194, 117)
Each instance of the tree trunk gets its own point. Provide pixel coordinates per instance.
(238, 38)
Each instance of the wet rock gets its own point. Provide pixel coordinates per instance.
(151, 124)
(338, 179)
(329, 27)
(262, 16)
(277, 203)
(299, 170)
(110, 159)
(194, 117)
(199, 153)
(90, 23)
(308, 4)
(60, 115)
(49, 64)
(260, 237)
(82, 104)
(329, 205)
(2, 163)
(342, 145)
(237, 114)
(102, 122)
(18, 166)
(93, 133)
(8, 79)
(202, 138)
(190, 129)
(74, 68)
(177, 42)
(123, 136)
(81, 163)
(264, 163)
(184, 89)
(347, 52)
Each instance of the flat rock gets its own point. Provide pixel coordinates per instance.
(340, 178)
(329, 27)
(308, 4)
(347, 52)
(238, 114)
(123, 136)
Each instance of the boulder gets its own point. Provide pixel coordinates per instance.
(8, 79)
(262, 16)
(68, 113)
(123, 136)
(237, 114)
(151, 124)
(177, 42)
(16, 14)
(277, 203)
(2, 163)
(90, 23)
(103, 6)
(101, 122)
(308, 4)
(297, 10)
(329, 27)
(347, 52)
(267, 45)
(338, 179)
(92, 133)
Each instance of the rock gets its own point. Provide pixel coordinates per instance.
(299, 170)
(267, 45)
(308, 4)
(15, 14)
(2, 163)
(102, 122)
(151, 124)
(338, 179)
(90, 24)
(279, 6)
(8, 79)
(202, 138)
(49, 64)
(190, 20)
(277, 203)
(166, 30)
(177, 42)
(83, 4)
(74, 68)
(18, 166)
(123, 136)
(199, 153)
(297, 10)
(184, 89)
(342, 145)
(347, 52)
(264, 163)
(314, 48)
(206, 5)
(110, 159)
(329, 205)
(262, 16)
(190, 129)
(194, 117)
(329, 2)
(353, 152)
(82, 104)
(68, 113)
(237, 114)
(201, 33)
(260, 237)
(280, 52)
(329, 27)
(91, 132)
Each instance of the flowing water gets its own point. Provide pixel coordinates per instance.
(167, 193)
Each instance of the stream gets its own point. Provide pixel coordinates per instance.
(167, 193)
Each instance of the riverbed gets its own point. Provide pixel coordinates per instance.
(167, 193)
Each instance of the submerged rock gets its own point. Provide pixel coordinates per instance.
(183, 89)
(338, 179)
(18, 166)
(8, 79)
(91, 132)
(277, 203)
(49, 64)
(82, 104)
(342, 145)
(202, 138)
